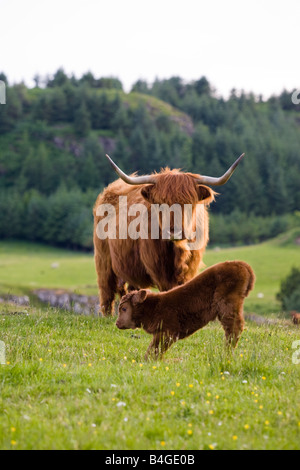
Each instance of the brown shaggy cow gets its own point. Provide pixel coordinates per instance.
(218, 292)
(148, 262)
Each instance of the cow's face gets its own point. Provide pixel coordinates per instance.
(174, 198)
(173, 187)
(129, 309)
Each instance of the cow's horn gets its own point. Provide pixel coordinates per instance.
(210, 180)
(146, 179)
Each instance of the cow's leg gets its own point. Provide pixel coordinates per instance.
(107, 280)
(121, 290)
(107, 297)
(121, 287)
(107, 292)
(131, 288)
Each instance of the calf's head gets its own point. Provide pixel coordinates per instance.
(130, 310)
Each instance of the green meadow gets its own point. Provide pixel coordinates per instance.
(77, 382)
(27, 266)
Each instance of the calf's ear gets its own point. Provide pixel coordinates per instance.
(139, 297)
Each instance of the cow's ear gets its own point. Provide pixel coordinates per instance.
(139, 297)
(146, 192)
(205, 194)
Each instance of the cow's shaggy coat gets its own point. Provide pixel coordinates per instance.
(145, 263)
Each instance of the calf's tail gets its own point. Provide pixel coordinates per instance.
(251, 279)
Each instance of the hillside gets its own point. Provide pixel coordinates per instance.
(53, 141)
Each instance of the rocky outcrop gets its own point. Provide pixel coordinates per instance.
(15, 299)
(81, 304)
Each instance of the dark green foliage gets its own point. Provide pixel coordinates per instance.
(59, 79)
(67, 220)
(11, 111)
(53, 142)
(82, 121)
(293, 302)
(11, 214)
(38, 170)
(242, 228)
(289, 294)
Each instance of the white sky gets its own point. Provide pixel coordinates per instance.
(245, 44)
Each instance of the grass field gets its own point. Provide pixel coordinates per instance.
(77, 382)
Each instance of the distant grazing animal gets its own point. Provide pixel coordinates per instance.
(295, 317)
(218, 292)
(147, 262)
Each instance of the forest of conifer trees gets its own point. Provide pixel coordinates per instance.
(53, 140)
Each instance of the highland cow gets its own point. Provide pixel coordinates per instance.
(218, 292)
(123, 261)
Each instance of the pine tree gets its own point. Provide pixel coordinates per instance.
(82, 122)
(38, 170)
(138, 146)
(58, 106)
(36, 215)
(122, 154)
(87, 175)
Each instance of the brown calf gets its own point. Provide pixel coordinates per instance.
(218, 292)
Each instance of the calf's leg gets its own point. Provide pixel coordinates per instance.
(232, 321)
(159, 345)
